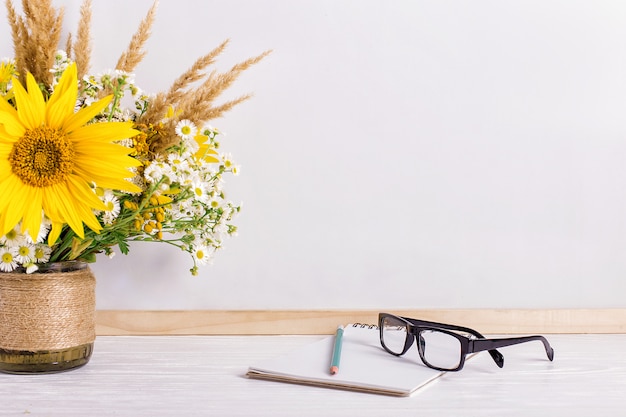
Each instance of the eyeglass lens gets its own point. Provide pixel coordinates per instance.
(437, 348)
(394, 333)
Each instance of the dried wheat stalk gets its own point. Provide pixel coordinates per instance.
(198, 107)
(36, 37)
(159, 105)
(196, 104)
(133, 55)
(194, 73)
(82, 47)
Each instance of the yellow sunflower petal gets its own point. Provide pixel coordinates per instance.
(81, 189)
(5, 137)
(60, 197)
(31, 222)
(30, 105)
(66, 87)
(15, 207)
(108, 132)
(105, 165)
(5, 151)
(85, 114)
(63, 100)
(37, 100)
(57, 228)
(9, 119)
(78, 187)
(105, 149)
(109, 182)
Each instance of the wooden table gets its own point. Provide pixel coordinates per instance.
(204, 376)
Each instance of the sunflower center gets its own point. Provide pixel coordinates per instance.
(42, 157)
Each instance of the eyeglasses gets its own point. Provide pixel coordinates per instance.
(442, 346)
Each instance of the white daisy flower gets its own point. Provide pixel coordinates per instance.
(227, 160)
(182, 210)
(7, 259)
(129, 77)
(112, 204)
(12, 238)
(201, 254)
(199, 191)
(105, 77)
(185, 179)
(25, 253)
(42, 253)
(215, 202)
(186, 129)
(178, 163)
(156, 171)
(207, 130)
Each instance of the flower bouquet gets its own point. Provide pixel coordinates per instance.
(82, 173)
(71, 155)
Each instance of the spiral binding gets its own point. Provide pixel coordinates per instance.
(365, 326)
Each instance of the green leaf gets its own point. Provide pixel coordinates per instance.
(123, 245)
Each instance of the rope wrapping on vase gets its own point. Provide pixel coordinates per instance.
(47, 311)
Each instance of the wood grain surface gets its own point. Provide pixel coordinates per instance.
(274, 322)
(166, 376)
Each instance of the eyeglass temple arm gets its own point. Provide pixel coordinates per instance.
(497, 357)
(479, 345)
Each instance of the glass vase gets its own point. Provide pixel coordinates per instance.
(47, 318)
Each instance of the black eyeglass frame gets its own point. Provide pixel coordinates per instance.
(468, 345)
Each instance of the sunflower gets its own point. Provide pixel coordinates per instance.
(51, 157)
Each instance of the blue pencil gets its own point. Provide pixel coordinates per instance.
(334, 363)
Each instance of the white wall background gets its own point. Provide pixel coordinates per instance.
(404, 154)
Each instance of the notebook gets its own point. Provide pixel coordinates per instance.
(364, 367)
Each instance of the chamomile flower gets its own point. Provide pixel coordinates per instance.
(227, 160)
(186, 129)
(156, 171)
(12, 238)
(178, 163)
(42, 253)
(25, 253)
(8, 261)
(112, 204)
(215, 202)
(200, 192)
(209, 130)
(201, 254)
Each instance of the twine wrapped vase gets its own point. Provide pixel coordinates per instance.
(47, 319)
